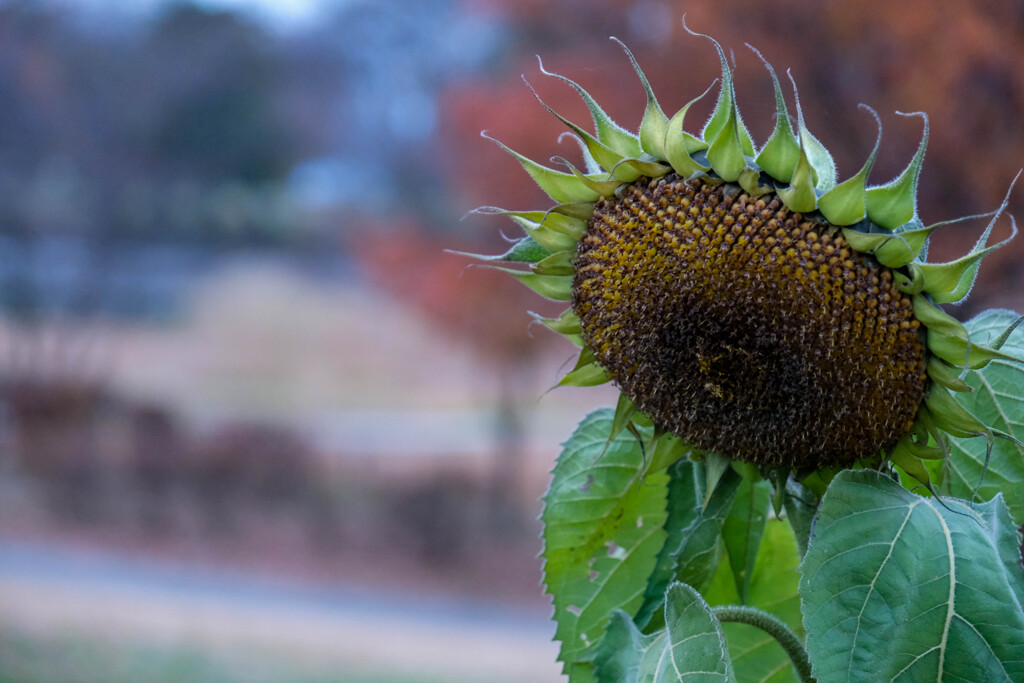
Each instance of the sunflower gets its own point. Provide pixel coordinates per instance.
(747, 303)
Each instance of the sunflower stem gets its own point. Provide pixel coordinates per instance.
(774, 627)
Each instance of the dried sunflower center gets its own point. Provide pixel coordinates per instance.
(746, 328)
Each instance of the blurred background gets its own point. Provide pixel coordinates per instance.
(255, 423)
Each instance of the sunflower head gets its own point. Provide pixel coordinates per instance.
(745, 301)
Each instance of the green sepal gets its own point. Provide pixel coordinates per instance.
(963, 352)
(937, 320)
(654, 123)
(568, 323)
(779, 478)
(951, 282)
(606, 157)
(715, 467)
(815, 152)
(750, 181)
(679, 144)
(564, 188)
(895, 203)
(1005, 334)
(552, 231)
(921, 451)
(910, 463)
(555, 287)
(725, 114)
(605, 188)
(726, 154)
(909, 284)
(844, 203)
(524, 250)
(586, 373)
(866, 242)
(652, 169)
(945, 374)
(608, 132)
(551, 240)
(951, 417)
(624, 412)
(799, 195)
(903, 247)
(667, 449)
(556, 264)
(581, 211)
(926, 431)
(781, 153)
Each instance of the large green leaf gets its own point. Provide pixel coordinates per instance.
(691, 647)
(897, 587)
(998, 401)
(602, 533)
(756, 656)
(743, 529)
(690, 552)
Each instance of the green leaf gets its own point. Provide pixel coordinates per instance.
(998, 401)
(690, 553)
(742, 532)
(690, 648)
(756, 656)
(602, 533)
(900, 587)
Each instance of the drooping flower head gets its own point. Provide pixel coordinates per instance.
(746, 301)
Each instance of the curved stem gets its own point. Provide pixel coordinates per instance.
(771, 625)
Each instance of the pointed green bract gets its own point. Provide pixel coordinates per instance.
(679, 144)
(903, 247)
(951, 417)
(586, 373)
(815, 152)
(781, 153)
(654, 123)
(725, 153)
(562, 187)
(567, 323)
(844, 203)
(604, 157)
(725, 113)
(945, 374)
(951, 282)
(608, 132)
(800, 195)
(895, 203)
(554, 287)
